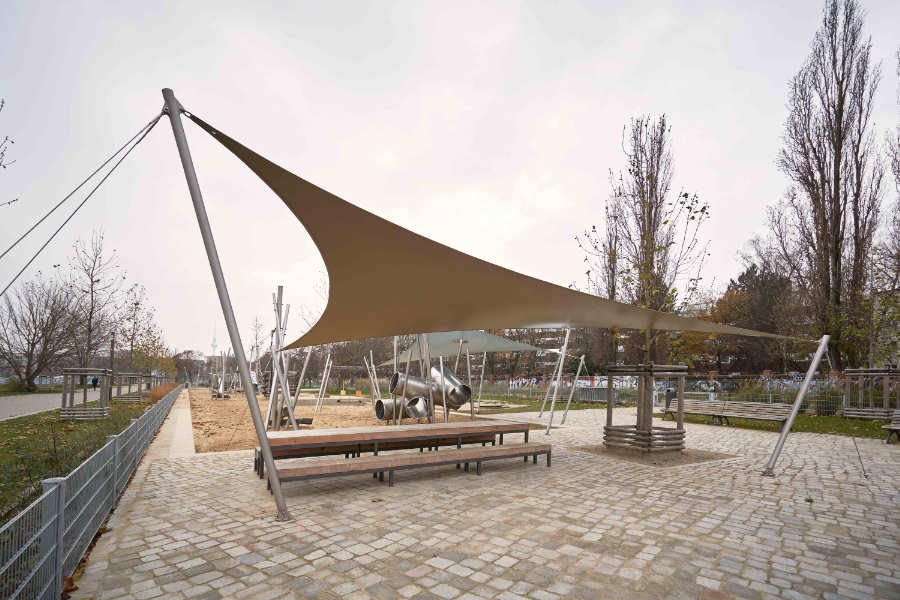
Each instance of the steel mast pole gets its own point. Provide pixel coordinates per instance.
(173, 109)
(769, 471)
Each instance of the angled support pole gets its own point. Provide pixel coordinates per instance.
(302, 375)
(562, 362)
(173, 109)
(572, 391)
(801, 393)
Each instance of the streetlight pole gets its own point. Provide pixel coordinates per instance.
(173, 108)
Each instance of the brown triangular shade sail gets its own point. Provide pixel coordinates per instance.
(420, 285)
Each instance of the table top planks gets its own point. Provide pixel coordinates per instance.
(317, 437)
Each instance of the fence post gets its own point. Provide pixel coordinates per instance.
(57, 510)
(115, 442)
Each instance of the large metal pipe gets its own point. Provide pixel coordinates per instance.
(413, 408)
(456, 392)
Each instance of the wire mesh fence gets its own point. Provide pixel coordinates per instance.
(44, 543)
(868, 395)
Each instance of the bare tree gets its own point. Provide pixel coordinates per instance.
(885, 302)
(135, 320)
(5, 143)
(825, 226)
(95, 282)
(35, 328)
(651, 254)
(601, 253)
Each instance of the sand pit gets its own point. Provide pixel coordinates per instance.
(224, 423)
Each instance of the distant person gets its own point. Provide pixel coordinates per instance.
(94, 383)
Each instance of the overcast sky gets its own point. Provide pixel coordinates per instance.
(490, 127)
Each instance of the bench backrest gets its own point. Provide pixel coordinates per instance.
(698, 404)
(776, 409)
(895, 419)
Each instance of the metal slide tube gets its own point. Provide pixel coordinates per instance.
(410, 386)
(801, 393)
(173, 108)
(390, 408)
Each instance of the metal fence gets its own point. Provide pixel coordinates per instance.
(44, 543)
(831, 394)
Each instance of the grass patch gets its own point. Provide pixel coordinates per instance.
(861, 428)
(35, 447)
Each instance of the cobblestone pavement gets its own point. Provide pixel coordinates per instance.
(590, 527)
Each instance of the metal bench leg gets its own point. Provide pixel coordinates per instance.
(380, 475)
(534, 462)
(478, 467)
(526, 436)
(467, 467)
(526, 458)
(391, 478)
(375, 475)
(548, 460)
(501, 439)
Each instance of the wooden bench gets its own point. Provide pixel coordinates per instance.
(760, 411)
(83, 413)
(697, 406)
(868, 413)
(355, 450)
(379, 464)
(893, 427)
(719, 410)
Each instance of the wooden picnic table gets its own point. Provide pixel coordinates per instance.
(354, 441)
(312, 438)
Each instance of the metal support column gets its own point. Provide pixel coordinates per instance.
(559, 372)
(173, 108)
(786, 429)
(572, 391)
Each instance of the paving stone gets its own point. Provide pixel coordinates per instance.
(592, 526)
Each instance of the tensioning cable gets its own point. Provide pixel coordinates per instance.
(139, 138)
(80, 185)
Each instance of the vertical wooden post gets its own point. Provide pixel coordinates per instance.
(640, 403)
(885, 398)
(680, 402)
(610, 400)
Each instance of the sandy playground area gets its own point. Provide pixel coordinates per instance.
(224, 423)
